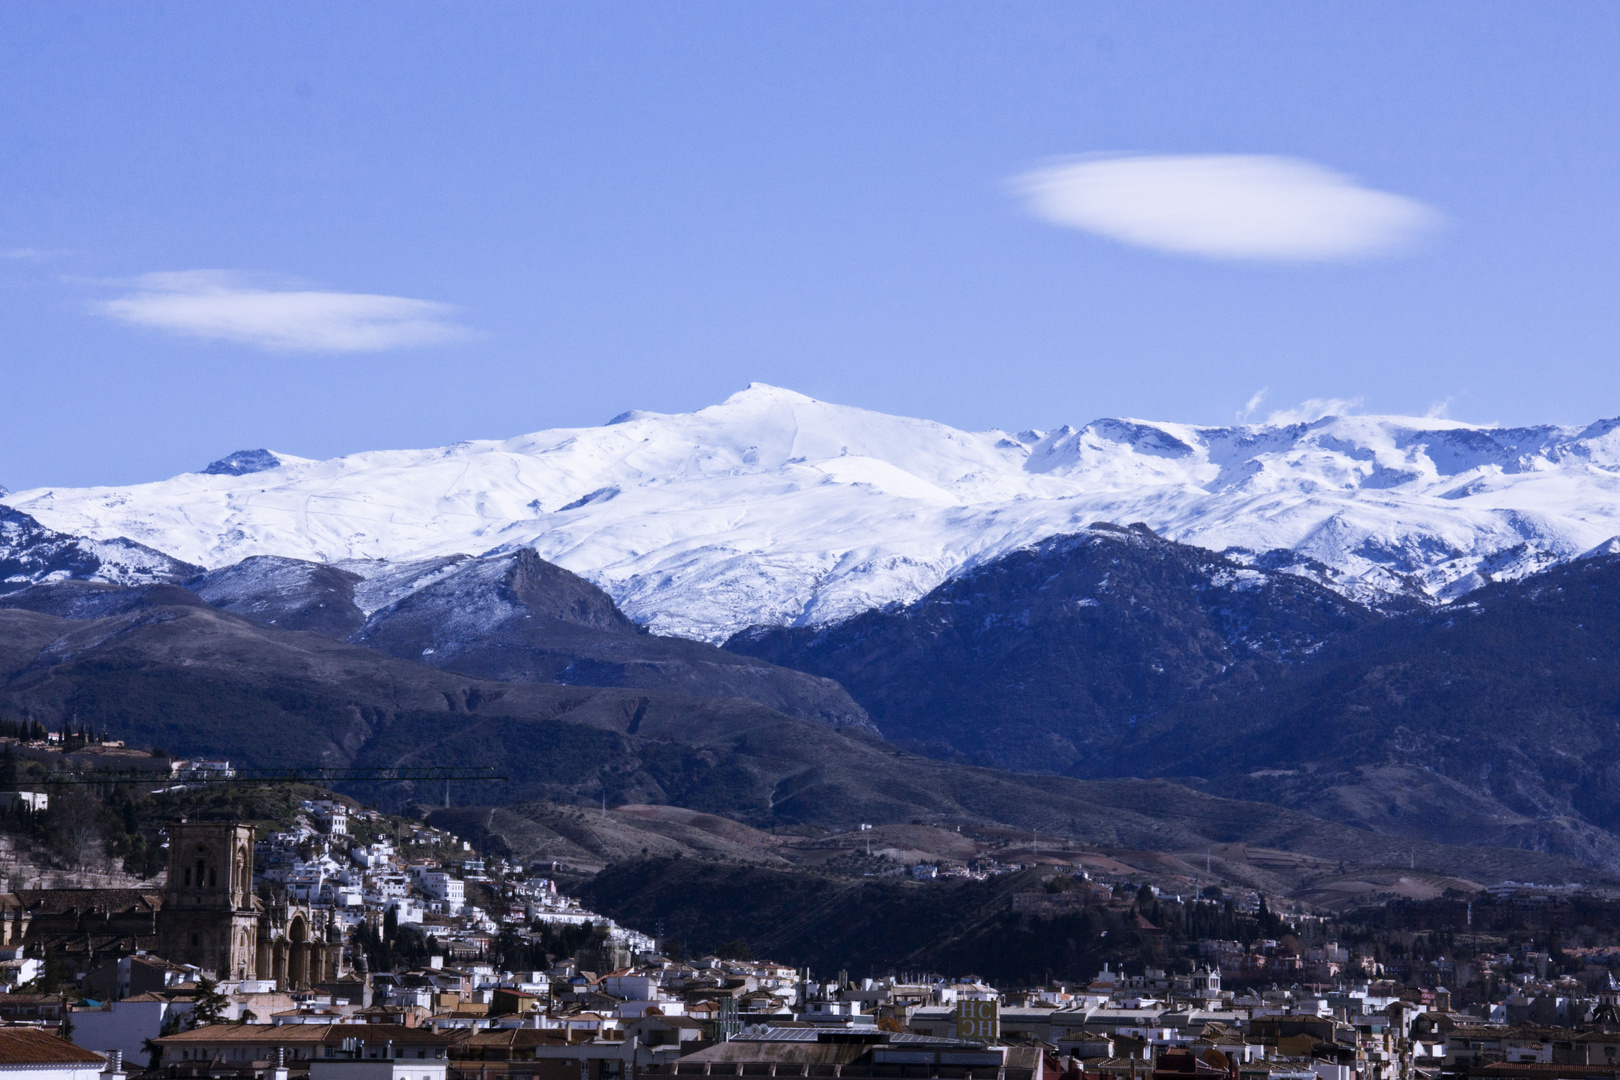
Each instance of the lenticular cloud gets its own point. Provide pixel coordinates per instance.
(1226, 206)
(223, 306)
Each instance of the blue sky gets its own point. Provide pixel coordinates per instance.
(324, 228)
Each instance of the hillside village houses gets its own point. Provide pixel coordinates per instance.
(254, 963)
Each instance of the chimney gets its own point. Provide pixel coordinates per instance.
(280, 1071)
(115, 1067)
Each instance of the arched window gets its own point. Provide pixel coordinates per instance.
(213, 877)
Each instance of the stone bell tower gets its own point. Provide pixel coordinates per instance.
(210, 917)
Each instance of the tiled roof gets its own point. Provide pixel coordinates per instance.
(261, 1034)
(33, 1046)
(871, 1038)
(677, 1021)
(61, 901)
(517, 1038)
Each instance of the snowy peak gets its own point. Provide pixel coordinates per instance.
(1346, 451)
(1606, 550)
(31, 554)
(765, 428)
(289, 594)
(775, 508)
(249, 461)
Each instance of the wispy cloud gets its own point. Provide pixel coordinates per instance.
(1314, 409)
(1252, 404)
(1226, 206)
(222, 305)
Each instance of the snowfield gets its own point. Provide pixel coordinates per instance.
(772, 507)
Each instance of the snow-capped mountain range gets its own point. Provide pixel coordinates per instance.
(774, 508)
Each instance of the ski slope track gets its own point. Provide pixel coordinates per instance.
(772, 508)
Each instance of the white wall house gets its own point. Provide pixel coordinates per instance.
(452, 892)
(376, 1069)
(125, 1025)
(406, 910)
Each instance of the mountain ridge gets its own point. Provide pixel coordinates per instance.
(179, 673)
(1037, 659)
(1118, 653)
(510, 618)
(773, 508)
(1110, 653)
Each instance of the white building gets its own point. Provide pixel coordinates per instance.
(305, 879)
(407, 911)
(835, 1012)
(535, 982)
(391, 886)
(17, 969)
(333, 818)
(377, 1069)
(340, 895)
(201, 770)
(631, 986)
(536, 888)
(378, 856)
(125, 1025)
(452, 892)
(542, 914)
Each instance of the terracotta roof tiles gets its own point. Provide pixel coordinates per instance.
(33, 1046)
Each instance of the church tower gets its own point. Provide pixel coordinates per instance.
(209, 916)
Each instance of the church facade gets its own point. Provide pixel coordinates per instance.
(208, 915)
(211, 917)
